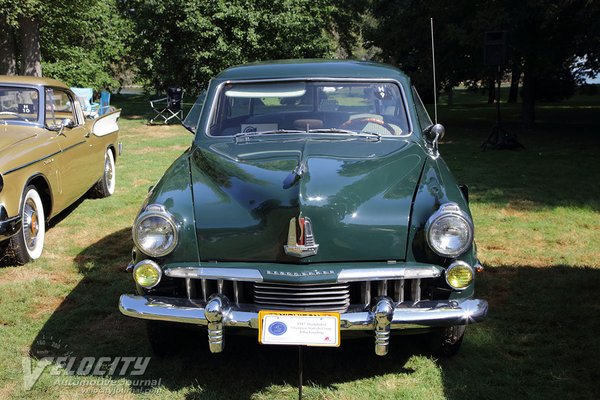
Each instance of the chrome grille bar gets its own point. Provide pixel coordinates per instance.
(327, 296)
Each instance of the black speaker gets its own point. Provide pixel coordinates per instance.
(495, 51)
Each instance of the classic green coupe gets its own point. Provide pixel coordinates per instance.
(50, 156)
(312, 205)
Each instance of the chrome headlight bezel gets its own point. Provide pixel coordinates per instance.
(156, 211)
(449, 210)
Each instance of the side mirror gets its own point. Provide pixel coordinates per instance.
(67, 123)
(434, 133)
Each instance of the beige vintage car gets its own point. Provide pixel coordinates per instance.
(50, 156)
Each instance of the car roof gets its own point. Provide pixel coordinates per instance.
(311, 68)
(31, 81)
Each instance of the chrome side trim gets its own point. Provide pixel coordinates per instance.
(10, 171)
(232, 274)
(375, 274)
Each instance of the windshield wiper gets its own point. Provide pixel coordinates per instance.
(248, 135)
(348, 132)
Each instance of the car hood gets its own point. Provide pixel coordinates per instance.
(13, 134)
(356, 192)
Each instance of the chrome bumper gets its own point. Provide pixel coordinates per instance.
(10, 227)
(218, 313)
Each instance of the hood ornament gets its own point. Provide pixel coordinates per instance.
(303, 245)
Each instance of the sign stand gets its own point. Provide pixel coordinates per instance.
(299, 372)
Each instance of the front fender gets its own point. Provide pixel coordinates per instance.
(173, 191)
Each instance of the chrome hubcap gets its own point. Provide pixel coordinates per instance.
(108, 170)
(31, 225)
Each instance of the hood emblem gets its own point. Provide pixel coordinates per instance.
(302, 245)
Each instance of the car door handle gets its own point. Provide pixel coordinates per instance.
(87, 135)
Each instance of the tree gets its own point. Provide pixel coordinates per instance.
(547, 40)
(83, 46)
(8, 60)
(22, 16)
(187, 43)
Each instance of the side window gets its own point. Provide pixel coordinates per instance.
(59, 105)
(422, 115)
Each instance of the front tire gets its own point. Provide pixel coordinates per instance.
(106, 185)
(165, 338)
(446, 342)
(28, 243)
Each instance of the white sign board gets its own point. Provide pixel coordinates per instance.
(299, 328)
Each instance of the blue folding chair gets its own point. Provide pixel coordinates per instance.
(104, 102)
(85, 96)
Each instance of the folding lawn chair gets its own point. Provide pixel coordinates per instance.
(104, 103)
(168, 107)
(85, 98)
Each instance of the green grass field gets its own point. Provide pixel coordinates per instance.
(537, 216)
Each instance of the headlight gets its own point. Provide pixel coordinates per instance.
(155, 232)
(147, 274)
(449, 231)
(459, 275)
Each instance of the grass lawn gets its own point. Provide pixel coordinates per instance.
(537, 217)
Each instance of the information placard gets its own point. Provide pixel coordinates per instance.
(299, 328)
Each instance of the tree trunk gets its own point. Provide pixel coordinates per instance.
(515, 77)
(450, 95)
(8, 60)
(491, 83)
(30, 46)
(528, 106)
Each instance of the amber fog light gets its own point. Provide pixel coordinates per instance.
(147, 274)
(459, 275)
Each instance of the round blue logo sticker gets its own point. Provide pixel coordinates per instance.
(277, 328)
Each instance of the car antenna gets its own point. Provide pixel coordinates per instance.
(434, 80)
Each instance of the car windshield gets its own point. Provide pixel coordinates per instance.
(18, 104)
(370, 108)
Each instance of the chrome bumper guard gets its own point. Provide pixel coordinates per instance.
(384, 316)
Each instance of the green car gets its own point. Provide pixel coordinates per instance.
(312, 206)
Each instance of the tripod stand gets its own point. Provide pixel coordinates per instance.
(499, 137)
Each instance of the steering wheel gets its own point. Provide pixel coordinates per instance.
(14, 114)
(365, 120)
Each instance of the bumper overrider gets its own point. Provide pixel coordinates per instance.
(9, 227)
(219, 312)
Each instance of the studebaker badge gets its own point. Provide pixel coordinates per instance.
(303, 245)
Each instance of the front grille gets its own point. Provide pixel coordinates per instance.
(306, 297)
(339, 297)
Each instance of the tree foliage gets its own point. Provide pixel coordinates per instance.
(187, 43)
(81, 45)
(546, 40)
(100, 43)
